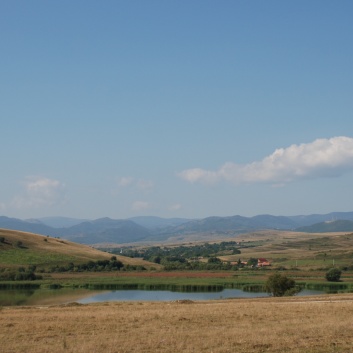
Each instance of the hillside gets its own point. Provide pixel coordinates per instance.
(297, 249)
(22, 249)
(105, 230)
(328, 226)
(237, 223)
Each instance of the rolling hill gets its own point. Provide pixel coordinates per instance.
(106, 230)
(22, 249)
(103, 230)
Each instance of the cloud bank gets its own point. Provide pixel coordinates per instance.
(320, 158)
(40, 191)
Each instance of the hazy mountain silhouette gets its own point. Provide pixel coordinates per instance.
(107, 230)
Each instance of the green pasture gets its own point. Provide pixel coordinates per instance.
(240, 279)
(22, 257)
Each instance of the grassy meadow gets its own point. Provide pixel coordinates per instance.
(23, 249)
(297, 325)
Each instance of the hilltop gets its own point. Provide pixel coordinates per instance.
(19, 248)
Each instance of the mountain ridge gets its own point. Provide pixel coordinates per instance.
(328, 226)
(149, 228)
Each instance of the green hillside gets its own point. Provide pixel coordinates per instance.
(24, 249)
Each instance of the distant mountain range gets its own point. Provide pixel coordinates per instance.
(143, 229)
(328, 226)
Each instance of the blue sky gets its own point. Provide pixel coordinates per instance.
(175, 108)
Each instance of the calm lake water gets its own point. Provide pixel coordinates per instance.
(143, 295)
(84, 296)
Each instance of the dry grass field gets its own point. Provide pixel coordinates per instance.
(303, 250)
(302, 325)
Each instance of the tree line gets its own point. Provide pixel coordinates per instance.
(194, 257)
(19, 274)
(97, 266)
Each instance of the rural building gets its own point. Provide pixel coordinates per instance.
(261, 262)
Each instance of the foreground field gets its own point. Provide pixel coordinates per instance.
(300, 325)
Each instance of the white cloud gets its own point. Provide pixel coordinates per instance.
(140, 206)
(140, 184)
(125, 181)
(144, 185)
(175, 207)
(320, 158)
(40, 191)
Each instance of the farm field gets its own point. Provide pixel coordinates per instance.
(184, 278)
(305, 251)
(296, 325)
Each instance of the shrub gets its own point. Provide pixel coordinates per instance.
(333, 275)
(19, 244)
(279, 285)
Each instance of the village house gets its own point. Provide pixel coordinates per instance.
(261, 262)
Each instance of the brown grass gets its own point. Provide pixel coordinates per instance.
(52, 245)
(285, 247)
(299, 325)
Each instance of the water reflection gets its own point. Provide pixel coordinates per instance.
(158, 295)
(143, 295)
(84, 296)
(13, 297)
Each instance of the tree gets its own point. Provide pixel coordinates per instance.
(214, 260)
(333, 275)
(279, 285)
(252, 262)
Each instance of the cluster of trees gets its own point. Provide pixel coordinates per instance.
(213, 263)
(186, 257)
(279, 285)
(91, 266)
(18, 243)
(19, 274)
(97, 266)
(186, 252)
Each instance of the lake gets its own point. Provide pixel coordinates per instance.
(85, 296)
(143, 295)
